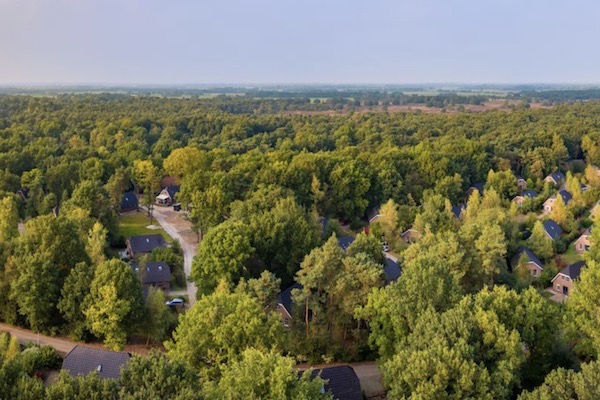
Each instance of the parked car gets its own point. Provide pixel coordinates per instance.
(385, 246)
(175, 302)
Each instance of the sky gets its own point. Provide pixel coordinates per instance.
(298, 41)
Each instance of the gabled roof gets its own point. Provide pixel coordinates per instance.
(479, 186)
(520, 178)
(552, 229)
(146, 243)
(345, 241)
(392, 270)
(458, 209)
(557, 176)
(529, 193)
(343, 383)
(156, 272)
(129, 201)
(572, 271)
(566, 195)
(172, 190)
(285, 297)
(514, 261)
(374, 213)
(83, 360)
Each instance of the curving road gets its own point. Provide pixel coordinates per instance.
(178, 228)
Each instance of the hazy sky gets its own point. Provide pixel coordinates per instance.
(303, 41)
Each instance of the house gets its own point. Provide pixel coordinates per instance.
(167, 196)
(129, 202)
(583, 243)
(549, 203)
(410, 236)
(285, 304)
(23, 193)
(552, 229)
(534, 265)
(391, 270)
(84, 360)
(458, 210)
(373, 215)
(479, 186)
(521, 183)
(524, 195)
(343, 384)
(156, 274)
(345, 242)
(555, 178)
(144, 244)
(564, 281)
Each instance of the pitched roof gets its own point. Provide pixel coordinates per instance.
(343, 382)
(529, 193)
(129, 201)
(172, 190)
(566, 195)
(458, 209)
(83, 360)
(552, 229)
(156, 271)
(345, 241)
(374, 213)
(285, 297)
(391, 269)
(573, 270)
(514, 261)
(557, 176)
(146, 243)
(479, 186)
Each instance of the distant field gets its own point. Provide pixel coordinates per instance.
(136, 223)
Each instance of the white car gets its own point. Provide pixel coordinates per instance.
(175, 302)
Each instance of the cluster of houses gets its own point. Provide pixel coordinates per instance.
(155, 274)
(342, 381)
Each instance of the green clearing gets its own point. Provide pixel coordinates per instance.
(133, 224)
(570, 256)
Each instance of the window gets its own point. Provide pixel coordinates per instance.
(534, 272)
(286, 322)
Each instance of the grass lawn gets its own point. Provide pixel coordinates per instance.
(571, 256)
(132, 224)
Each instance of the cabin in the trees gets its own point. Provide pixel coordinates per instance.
(553, 231)
(533, 263)
(23, 193)
(521, 183)
(458, 210)
(167, 196)
(556, 178)
(565, 281)
(373, 215)
(410, 236)
(583, 243)
(479, 186)
(343, 384)
(84, 360)
(392, 270)
(549, 203)
(144, 244)
(524, 195)
(129, 202)
(155, 274)
(285, 305)
(345, 242)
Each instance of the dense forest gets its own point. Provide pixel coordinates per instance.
(269, 194)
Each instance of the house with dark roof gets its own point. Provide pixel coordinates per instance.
(479, 186)
(565, 281)
(524, 195)
(144, 244)
(556, 178)
(345, 242)
(521, 183)
(83, 360)
(458, 210)
(549, 203)
(155, 274)
(23, 192)
(391, 270)
(553, 231)
(373, 215)
(343, 384)
(285, 304)
(533, 263)
(167, 196)
(129, 202)
(583, 243)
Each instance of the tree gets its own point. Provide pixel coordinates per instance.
(159, 319)
(265, 375)
(9, 219)
(350, 183)
(560, 153)
(218, 328)
(96, 243)
(222, 255)
(491, 246)
(388, 219)
(72, 301)
(264, 288)
(155, 376)
(560, 213)
(369, 245)
(503, 182)
(114, 304)
(81, 387)
(435, 215)
(147, 177)
(539, 242)
(209, 208)
(567, 384)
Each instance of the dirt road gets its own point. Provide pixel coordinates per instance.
(178, 228)
(62, 346)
